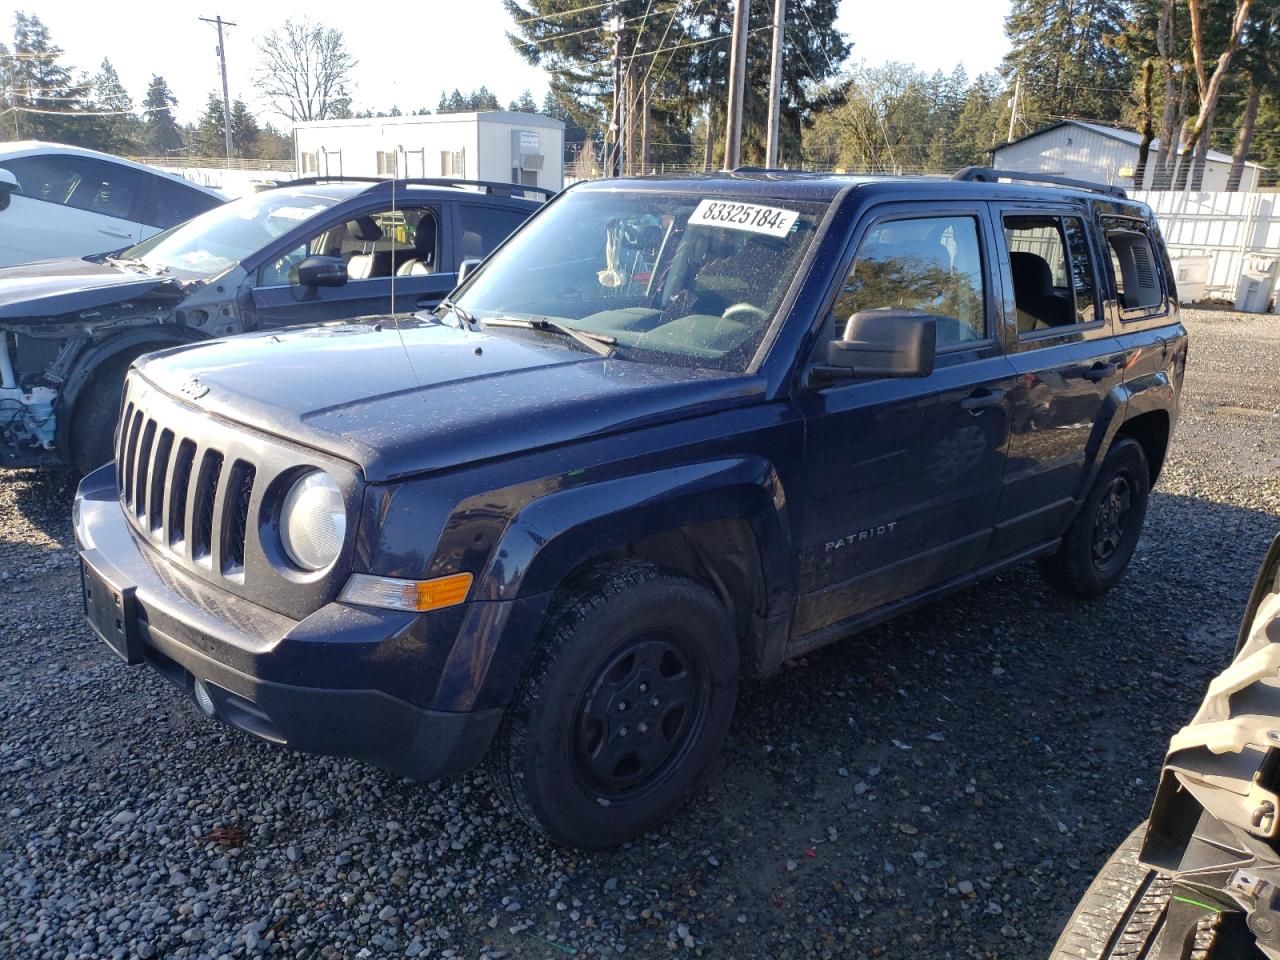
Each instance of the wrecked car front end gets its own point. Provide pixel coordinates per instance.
(62, 322)
(1215, 825)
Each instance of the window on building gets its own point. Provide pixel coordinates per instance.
(451, 163)
(387, 165)
(310, 163)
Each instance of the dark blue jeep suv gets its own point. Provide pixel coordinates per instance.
(672, 432)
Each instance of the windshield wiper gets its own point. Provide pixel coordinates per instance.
(449, 306)
(600, 343)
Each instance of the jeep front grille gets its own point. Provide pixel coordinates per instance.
(193, 487)
(166, 497)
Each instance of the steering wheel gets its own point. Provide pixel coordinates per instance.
(745, 313)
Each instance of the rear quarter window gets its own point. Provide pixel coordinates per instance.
(1136, 267)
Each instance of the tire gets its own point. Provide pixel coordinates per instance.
(1123, 912)
(624, 638)
(93, 426)
(1099, 544)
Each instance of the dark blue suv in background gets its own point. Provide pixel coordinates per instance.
(311, 250)
(671, 433)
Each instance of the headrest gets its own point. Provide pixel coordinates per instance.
(364, 230)
(1030, 272)
(424, 237)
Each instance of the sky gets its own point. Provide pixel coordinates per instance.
(408, 55)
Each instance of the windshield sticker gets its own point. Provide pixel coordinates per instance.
(772, 221)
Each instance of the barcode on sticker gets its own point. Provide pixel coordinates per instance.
(773, 221)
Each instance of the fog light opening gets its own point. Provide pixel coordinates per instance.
(203, 700)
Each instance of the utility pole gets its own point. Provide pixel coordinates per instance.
(222, 57)
(775, 83)
(1013, 112)
(614, 24)
(737, 85)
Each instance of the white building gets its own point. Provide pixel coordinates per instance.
(524, 148)
(1090, 151)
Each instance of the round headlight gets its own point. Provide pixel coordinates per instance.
(313, 521)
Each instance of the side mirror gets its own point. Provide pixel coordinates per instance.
(882, 343)
(322, 272)
(8, 186)
(465, 268)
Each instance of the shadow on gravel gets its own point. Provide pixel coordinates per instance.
(42, 498)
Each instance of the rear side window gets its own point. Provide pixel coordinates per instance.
(174, 204)
(931, 265)
(80, 182)
(1053, 277)
(483, 228)
(1134, 263)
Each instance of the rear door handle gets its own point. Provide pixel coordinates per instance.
(1099, 371)
(978, 401)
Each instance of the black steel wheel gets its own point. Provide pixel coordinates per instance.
(640, 713)
(624, 706)
(1099, 544)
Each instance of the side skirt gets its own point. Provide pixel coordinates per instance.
(805, 643)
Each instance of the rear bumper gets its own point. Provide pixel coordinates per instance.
(330, 684)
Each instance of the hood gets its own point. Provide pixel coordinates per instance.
(48, 288)
(430, 396)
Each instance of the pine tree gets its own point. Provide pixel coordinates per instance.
(244, 130)
(120, 131)
(41, 83)
(524, 103)
(161, 135)
(209, 138)
(1067, 54)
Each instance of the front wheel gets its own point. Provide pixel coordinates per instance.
(93, 427)
(626, 703)
(1098, 545)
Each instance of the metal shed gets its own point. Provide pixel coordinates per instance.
(1091, 151)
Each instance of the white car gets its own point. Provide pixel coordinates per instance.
(60, 201)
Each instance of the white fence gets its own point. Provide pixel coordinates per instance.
(1225, 227)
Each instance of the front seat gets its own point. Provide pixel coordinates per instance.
(365, 231)
(423, 260)
(1039, 307)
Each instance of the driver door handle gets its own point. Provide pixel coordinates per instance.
(982, 398)
(1099, 371)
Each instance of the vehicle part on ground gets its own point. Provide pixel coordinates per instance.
(1210, 854)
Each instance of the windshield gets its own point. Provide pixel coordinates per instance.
(214, 241)
(672, 278)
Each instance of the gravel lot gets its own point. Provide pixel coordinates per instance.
(943, 786)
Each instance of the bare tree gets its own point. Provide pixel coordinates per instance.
(1208, 85)
(306, 71)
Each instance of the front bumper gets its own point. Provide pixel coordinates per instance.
(340, 682)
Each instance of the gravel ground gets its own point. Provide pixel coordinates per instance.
(943, 786)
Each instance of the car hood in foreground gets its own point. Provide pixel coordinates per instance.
(49, 288)
(425, 396)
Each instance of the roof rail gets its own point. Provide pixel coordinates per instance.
(491, 187)
(992, 175)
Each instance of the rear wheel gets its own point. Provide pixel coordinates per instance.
(1098, 545)
(1124, 910)
(626, 703)
(93, 427)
